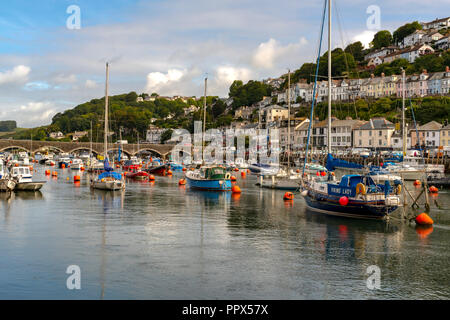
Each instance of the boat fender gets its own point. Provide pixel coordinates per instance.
(360, 189)
(227, 176)
(398, 189)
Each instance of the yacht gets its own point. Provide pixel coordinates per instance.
(24, 179)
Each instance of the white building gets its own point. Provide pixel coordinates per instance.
(411, 54)
(436, 24)
(154, 134)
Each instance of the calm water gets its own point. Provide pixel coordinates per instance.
(162, 241)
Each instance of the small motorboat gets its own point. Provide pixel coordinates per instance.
(136, 173)
(7, 183)
(158, 169)
(209, 178)
(63, 162)
(24, 179)
(77, 164)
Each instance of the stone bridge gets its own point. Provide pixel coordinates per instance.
(130, 149)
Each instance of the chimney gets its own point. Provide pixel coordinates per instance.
(382, 74)
(372, 75)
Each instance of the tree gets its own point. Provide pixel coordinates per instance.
(429, 62)
(381, 39)
(166, 135)
(405, 30)
(356, 50)
(131, 97)
(218, 108)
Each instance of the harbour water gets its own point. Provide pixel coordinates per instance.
(164, 241)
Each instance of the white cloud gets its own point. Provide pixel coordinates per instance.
(62, 78)
(16, 75)
(157, 80)
(90, 84)
(37, 113)
(267, 53)
(225, 75)
(365, 37)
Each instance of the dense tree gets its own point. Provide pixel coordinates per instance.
(248, 94)
(6, 126)
(356, 50)
(405, 30)
(381, 39)
(218, 108)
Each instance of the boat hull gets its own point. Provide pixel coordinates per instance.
(354, 208)
(29, 186)
(108, 185)
(210, 185)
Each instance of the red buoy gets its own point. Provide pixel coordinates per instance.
(424, 219)
(233, 179)
(343, 201)
(288, 196)
(433, 189)
(236, 189)
(323, 173)
(182, 182)
(151, 177)
(417, 183)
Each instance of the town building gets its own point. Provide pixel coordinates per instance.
(56, 135)
(154, 134)
(436, 24)
(78, 134)
(376, 133)
(429, 135)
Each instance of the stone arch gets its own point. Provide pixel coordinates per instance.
(129, 154)
(86, 149)
(149, 149)
(50, 148)
(15, 147)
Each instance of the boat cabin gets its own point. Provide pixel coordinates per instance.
(22, 174)
(348, 183)
(213, 173)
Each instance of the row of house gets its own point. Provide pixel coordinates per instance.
(417, 85)
(377, 133)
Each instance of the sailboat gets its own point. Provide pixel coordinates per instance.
(108, 180)
(212, 178)
(355, 195)
(283, 179)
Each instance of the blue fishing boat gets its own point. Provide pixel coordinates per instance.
(209, 178)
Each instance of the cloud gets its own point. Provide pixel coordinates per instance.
(37, 113)
(90, 84)
(62, 78)
(16, 75)
(267, 53)
(365, 37)
(157, 80)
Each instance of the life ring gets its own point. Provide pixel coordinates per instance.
(360, 189)
(398, 189)
(228, 176)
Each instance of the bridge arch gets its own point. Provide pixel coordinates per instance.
(151, 150)
(85, 149)
(14, 147)
(48, 148)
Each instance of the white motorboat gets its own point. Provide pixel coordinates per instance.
(77, 164)
(24, 179)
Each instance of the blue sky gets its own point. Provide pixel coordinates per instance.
(165, 46)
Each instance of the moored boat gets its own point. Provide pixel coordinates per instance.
(24, 179)
(209, 178)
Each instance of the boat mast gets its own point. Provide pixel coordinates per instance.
(289, 120)
(329, 78)
(106, 112)
(403, 114)
(204, 121)
(90, 146)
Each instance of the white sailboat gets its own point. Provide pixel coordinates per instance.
(108, 180)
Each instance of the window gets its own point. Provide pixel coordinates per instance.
(380, 133)
(379, 142)
(360, 142)
(370, 142)
(434, 134)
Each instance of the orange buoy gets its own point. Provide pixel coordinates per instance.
(243, 174)
(16, 165)
(76, 178)
(317, 173)
(323, 173)
(54, 173)
(63, 166)
(236, 189)
(82, 169)
(184, 169)
(169, 172)
(47, 172)
(236, 169)
(151, 177)
(182, 182)
(433, 189)
(417, 183)
(233, 179)
(298, 170)
(424, 219)
(288, 196)
(343, 201)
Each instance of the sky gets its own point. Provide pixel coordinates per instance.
(168, 46)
